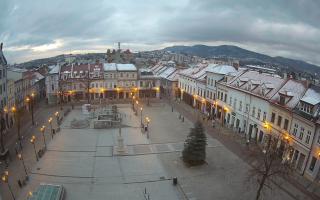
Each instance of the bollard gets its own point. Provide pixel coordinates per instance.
(19, 183)
(175, 181)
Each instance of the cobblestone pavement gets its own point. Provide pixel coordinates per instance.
(84, 162)
(295, 186)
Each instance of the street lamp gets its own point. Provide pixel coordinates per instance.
(42, 129)
(50, 122)
(141, 116)
(4, 178)
(147, 119)
(24, 166)
(16, 115)
(57, 117)
(33, 140)
(30, 105)
(268, 127)
(133, 98)
(136, 111)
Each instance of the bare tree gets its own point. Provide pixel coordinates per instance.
(269, 167)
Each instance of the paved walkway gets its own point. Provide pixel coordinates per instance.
(16, 171)
(82, 160)
(237, 144)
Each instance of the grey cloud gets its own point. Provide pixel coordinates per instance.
(277, 27)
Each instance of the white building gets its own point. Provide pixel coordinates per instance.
(282, 123)
(52, 84)
(243, 102)
(305, 132)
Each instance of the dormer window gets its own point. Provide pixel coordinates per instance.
(307, 108)
(285, 97)
(249, 86)
(282, 100)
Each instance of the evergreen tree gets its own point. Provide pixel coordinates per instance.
(194, 152)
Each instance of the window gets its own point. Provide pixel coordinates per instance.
(273, 117)
(286, 124)
(312, 163)
(240, 106)
(230, 102)
(319, 139)
(253, 111)
(235, 104)
(264, 116)
(259, 113)
(282, 100)
(295, 129)
(218, 94)
(225, 98)
(301, 133)
(308, 137)
(279, 121)
(247, 108)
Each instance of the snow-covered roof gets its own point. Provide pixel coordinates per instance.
(37, 76)
(126, 67)
(312, 96)
(174, 76)
(251, 77)
(221, 69)
(167, 72)
(54, 69)
(292, 88)
(109, 67)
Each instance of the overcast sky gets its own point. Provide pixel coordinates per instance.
(40, 28)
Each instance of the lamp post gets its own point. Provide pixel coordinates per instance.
(32, 105)
(136, 110)
(147, 119)
(141, 116)
(57, 118)
(4, 178)
(29, 102)
(16, 115)
(268, 127)
(133, 98)
(71, 98)
(24, 166)
(50, 122)
(33, 140)
(42, 129)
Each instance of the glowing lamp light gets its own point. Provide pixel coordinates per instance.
(32, 94)
(226, 109)
(13, 109)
